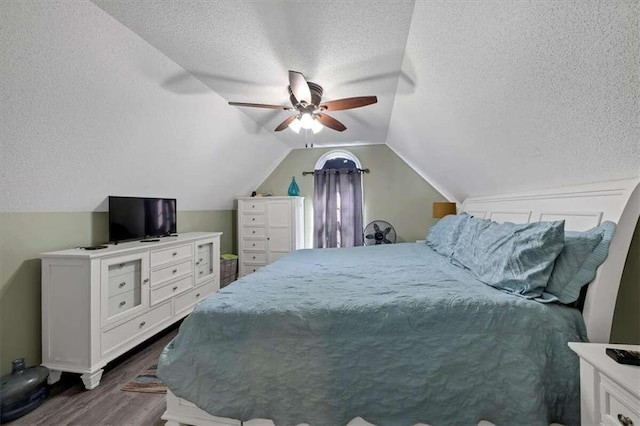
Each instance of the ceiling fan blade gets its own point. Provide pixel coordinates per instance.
(285, 123)
(245, 104)
(299, 87)
(349, 103)
(331, 122)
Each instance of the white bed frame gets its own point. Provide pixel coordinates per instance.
(582, 207)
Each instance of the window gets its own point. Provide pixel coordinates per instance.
(337, 202)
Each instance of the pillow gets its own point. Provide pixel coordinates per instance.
(516, 258)
(576, 266)
(443, 235)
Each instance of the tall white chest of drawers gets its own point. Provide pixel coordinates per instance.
(268, 228)
(98, 304)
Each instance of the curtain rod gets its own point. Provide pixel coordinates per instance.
(359, 171)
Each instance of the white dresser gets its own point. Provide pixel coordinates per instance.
(98, 304)
(609, 392)
(268, 228)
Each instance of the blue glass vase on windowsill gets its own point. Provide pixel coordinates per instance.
(294, 191)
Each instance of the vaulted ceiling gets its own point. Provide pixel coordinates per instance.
(478, 97)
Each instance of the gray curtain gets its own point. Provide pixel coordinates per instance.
(329, 185)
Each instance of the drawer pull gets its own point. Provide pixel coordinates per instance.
(197, 263)
(122, 284)
(143, 323)
(175, 253)
(254, 258)
(253, 232)
(624, 420)
(200, 260)
(200, 246)
(254, 244)
(124, 302)
(211, 270)
(201, 272)
(121, 265)
(146, 280)
(197, 294)
(253, 206)
(175, 287)
(174, 271)
(253, 218)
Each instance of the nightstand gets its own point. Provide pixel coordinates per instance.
(609, 392)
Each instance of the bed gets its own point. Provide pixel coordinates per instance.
(325, 336)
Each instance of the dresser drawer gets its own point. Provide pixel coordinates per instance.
(123, 302)
(249, 268)
(192, 297)
(161, 275)
(158, 257)
(259, 258)
(204, 251)
(254, 244)
(123, 283)
(253, 219)
(158, 294)
(249, 232)
(617, 406)
(254, 206)
(203, 270)
(118, 336)
(125, 268)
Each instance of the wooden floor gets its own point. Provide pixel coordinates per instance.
(70, 404)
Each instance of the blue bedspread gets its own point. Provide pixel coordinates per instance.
(392, 333)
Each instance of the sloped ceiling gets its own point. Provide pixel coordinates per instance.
(243, 49)
(478, 96)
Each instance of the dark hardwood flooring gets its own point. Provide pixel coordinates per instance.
(70, 404)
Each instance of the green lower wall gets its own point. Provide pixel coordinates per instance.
(392, 191)
(24, 235)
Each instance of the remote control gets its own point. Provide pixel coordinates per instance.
(623, 356)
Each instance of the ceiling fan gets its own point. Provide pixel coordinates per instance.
(305, 96)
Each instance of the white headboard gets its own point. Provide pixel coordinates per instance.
(582, 207)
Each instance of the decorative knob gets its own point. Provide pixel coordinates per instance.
(200, 259)
(268, 238)
(253, 206)
(253, 218)
(174, 271)
(253, 232)
(175, 253)
(122, 284)
(143, 323)
(197, 263)
(124, 302)
(254, 244)
(254, 257)
(197, 294)
(146, 280)
(211, 270)
(175, 287)
(121, 265)
(624, 420)
(201, 272)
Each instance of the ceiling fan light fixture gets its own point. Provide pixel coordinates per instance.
(316, 126)
(306, 121)
(295, 125)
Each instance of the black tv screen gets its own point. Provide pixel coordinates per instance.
(132, 218)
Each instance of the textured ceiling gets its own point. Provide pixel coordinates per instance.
(243, 50)
(478, 96)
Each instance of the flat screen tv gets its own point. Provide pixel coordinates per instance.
(134, 218)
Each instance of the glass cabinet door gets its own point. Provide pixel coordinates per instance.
(124, 284)
(207, 260)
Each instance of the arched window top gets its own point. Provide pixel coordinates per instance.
(338, 159)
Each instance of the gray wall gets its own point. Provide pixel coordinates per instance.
(392, 190)
(24, 235)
